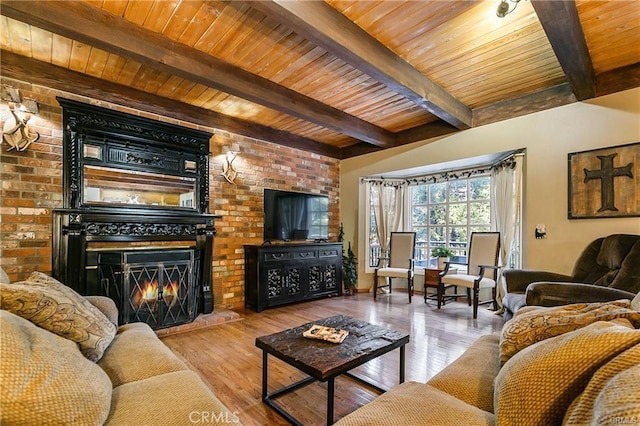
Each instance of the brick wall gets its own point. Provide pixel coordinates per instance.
(32, 187)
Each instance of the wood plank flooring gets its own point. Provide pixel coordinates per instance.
(227, 359)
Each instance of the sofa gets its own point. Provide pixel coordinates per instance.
(63, 360)
(576, 364)
(609, 265)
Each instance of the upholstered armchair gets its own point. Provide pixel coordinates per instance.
(607, 269)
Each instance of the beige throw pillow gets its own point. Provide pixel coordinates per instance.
(46, 380)
(60, 310)
(534, 324)
(635, 303)
(538, 385)
(612, 395)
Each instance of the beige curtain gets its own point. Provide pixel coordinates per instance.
(389, 210)
(507, 195)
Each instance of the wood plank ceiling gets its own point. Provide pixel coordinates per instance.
(339, 78)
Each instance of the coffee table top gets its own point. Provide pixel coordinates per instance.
(323, 360)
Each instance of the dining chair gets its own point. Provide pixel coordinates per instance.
(482, 270)
(399, 264)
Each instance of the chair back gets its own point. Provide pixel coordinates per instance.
(401, 249)
(484, 249)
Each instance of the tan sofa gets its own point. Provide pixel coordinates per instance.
(576, 365)
(46, 379)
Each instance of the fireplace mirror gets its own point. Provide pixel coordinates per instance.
(110, 186)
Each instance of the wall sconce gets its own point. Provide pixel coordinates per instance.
(504, 8)
(15, 131)
(230, 154)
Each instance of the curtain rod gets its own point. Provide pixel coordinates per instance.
(507, 161)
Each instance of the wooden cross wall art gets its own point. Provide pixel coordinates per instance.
(605, 182)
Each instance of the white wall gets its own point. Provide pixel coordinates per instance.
(548, 137)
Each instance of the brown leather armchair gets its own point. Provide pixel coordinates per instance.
(608, 269)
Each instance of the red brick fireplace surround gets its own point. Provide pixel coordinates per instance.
(32, 188)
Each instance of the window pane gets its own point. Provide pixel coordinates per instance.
(457, 190)
(437, 193)
(480, 228)
(480, 213)
(419, 216)
(437, 237)
(421, 234)
(419, 194)
(458, 214)
(373, 229)
(458, 236)
(437, 215)
(480, 188)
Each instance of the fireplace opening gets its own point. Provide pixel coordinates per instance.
(154, 286)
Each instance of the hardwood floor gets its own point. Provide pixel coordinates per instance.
(227, 359)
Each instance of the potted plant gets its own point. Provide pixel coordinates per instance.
(349, 267)
(443, 254)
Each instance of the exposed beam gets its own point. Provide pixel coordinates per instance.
(539, 101)
(424, 132)
(618, 80)
(562, 26)
(328, 28)
(414, 134)
(93, 26)
(41, 73)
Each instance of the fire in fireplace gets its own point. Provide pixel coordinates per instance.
(153, 286)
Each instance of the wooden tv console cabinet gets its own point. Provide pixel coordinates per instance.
(284, 273)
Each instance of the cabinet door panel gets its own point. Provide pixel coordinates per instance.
(275, 279)
(294, 284)
(331, 281)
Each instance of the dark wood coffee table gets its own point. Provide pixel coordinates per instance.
(324, 361)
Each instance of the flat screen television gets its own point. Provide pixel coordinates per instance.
(295, 216)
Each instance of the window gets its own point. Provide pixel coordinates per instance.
(444, 214)
(445, 208)
(318, 218)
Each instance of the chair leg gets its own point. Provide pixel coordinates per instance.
(440, 292)
(476, 293)
(389, 281)
(375, 284)
(494, 293)
(410, 286)
(469, 296)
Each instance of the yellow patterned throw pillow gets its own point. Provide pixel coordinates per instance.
(51, 305)
(538, 385)
(534, 324)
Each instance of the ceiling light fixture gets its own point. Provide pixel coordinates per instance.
(504, 8)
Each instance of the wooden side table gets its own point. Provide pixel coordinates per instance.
(432, 280)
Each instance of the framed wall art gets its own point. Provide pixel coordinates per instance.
(605, 182)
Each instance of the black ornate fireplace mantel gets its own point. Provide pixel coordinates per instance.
(131, 183)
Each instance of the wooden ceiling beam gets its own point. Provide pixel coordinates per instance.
(424, 132)
(93, 26)
(562, 26)
(535, 102)
(617, 80)
(41, 73)
(329, 29)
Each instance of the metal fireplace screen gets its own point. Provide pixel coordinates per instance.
(156, 286)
